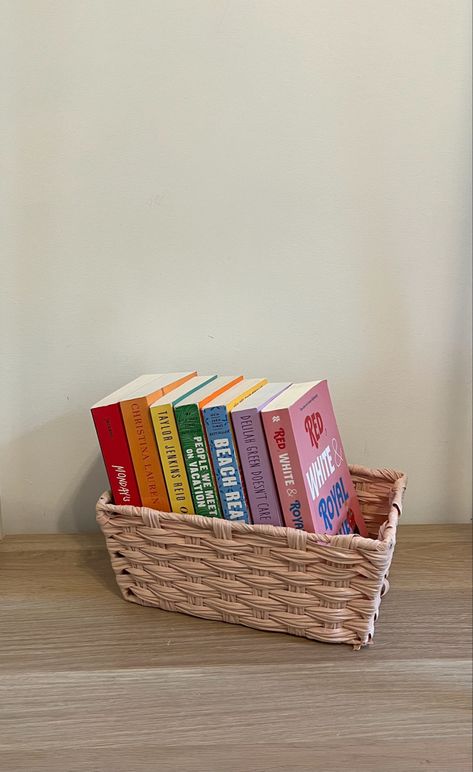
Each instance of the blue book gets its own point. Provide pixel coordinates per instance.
(223, 450)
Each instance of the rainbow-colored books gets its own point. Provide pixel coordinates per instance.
(261, 490)
(223, 450)
(314, 483)
(228, 446)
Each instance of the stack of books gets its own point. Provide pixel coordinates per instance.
(229, 446)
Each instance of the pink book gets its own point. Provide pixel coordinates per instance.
(314, 484)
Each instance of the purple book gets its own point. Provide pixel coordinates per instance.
(260, 486)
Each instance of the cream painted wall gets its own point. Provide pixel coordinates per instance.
(275, 187)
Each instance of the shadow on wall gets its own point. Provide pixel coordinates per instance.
(388, 437)
(78, 511)
(55, 475)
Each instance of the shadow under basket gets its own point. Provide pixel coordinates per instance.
(318, 586)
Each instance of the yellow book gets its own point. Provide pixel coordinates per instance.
(169, 446)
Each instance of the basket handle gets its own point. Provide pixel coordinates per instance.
(399, 488)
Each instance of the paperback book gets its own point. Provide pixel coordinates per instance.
(142, 441)
(223, 450)
(108, 421)
(169, 446)
(188, 416)
(312, 476)
(263, 499)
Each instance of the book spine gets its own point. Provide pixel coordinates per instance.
(172, 460)
(197, 461)
(116, 454)
(287, 470)
(258, 476)
(226, 464)
(144, 452)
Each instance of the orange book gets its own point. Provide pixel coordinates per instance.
(142, 440)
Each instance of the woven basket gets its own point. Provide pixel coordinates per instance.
(327, 588)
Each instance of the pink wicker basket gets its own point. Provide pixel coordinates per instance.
(327, 588)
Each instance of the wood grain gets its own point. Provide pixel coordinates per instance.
(90, 682)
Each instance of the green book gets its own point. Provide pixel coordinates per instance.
(187, 412)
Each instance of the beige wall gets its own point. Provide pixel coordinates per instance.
(275, 187)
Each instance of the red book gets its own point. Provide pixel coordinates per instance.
(113, 442)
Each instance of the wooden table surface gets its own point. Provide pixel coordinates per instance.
(90, 682)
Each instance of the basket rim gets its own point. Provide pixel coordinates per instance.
(106, 510)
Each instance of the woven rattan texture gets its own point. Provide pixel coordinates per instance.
(277, 579)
